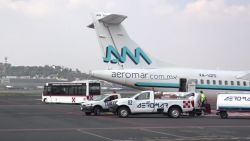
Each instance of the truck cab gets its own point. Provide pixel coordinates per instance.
(149, 102)
(98, 104)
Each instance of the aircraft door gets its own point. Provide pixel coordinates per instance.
(191, 86)
(183, 85)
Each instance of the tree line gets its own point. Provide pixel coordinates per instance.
(52, 71)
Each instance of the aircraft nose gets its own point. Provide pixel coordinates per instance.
(96, 74)
(100, 74)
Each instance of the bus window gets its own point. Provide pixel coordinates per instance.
(45, 90)
(82, 89)
(71, 90)
(54, 90)
(94, 89)
(58, 90)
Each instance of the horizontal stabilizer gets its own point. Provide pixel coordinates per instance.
(110, 19)
(113, 19)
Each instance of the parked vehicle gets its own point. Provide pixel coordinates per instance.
(98, 104)
(70, 92)
(149, 102)
(232, 103)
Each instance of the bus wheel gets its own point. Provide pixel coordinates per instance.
(174, 112)
(87, 113)
(45, 100)
(223, 115)
(123, 112)
(97, 111)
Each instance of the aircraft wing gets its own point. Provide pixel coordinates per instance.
(245, 76)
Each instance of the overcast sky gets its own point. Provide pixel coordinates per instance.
(209, 34)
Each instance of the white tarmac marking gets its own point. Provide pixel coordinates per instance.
(93, 134)
(163, 133)
(119, 128)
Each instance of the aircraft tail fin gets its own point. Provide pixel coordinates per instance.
(117, 47)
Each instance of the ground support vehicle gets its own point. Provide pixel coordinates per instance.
(149, 102)
(232, 103)
(196, 97)
(98, 104)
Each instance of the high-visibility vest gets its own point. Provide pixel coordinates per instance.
(203, 98)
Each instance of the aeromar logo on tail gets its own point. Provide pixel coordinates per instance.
(113, 56)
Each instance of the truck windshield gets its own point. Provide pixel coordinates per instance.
(99, 97)
(143, 96)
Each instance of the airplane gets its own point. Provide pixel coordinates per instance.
(129, 65)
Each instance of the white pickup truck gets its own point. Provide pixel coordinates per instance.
(232, 103)
(98, 104)
(150, 102)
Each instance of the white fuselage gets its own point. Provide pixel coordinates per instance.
(168, 79)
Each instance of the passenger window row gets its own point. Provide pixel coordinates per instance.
(226, 83)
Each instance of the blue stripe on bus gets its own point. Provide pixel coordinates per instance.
(176, 85)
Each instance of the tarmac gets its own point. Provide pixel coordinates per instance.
(26, 118)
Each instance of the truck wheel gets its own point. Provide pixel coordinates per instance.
(97, 111)
(123, 112)
(174, 112)
(223, 115)
(87, 113)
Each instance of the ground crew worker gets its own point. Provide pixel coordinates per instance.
(203, 101)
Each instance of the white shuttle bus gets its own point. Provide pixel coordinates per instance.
(70, 92)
